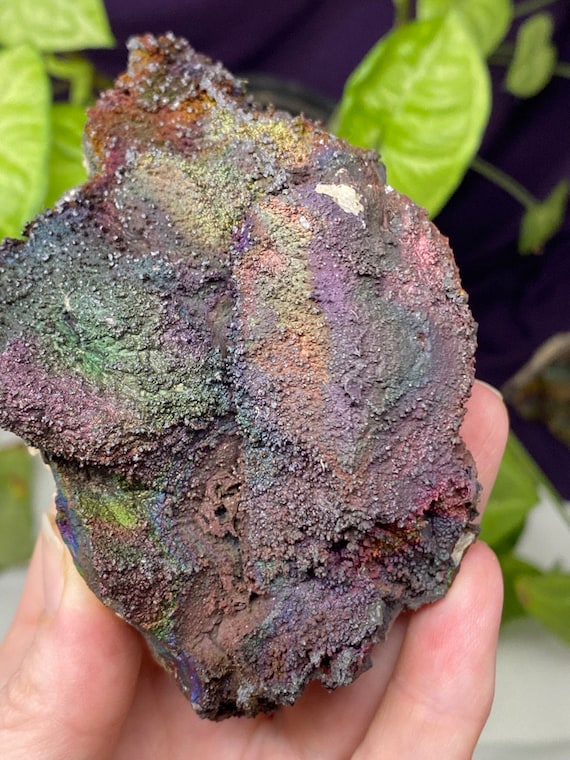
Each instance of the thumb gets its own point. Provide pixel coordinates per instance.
(67, 691)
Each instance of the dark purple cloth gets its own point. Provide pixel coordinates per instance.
(518, 301)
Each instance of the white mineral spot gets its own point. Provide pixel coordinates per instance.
(344, 195)
(465, 540)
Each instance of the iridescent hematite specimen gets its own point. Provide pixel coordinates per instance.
(246, 359)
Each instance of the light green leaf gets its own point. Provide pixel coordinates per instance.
(55, 25)
(422, 98)
(547, 598)
(66, 169)
(24, 137)
(534, 58)
(487, 20)
(514, 494)
(16, 534)
(542, 221)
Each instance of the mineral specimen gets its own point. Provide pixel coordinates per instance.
(246, 359)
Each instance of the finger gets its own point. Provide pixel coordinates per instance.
(485, 431)
(439, 698)
(76, 681)
(30, 608)
(23, 627)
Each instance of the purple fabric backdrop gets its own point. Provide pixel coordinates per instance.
(518, 301)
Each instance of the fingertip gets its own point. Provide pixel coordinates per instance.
(53, 564)
(481, 386)
(485, 431)
(487, 404)
(480, 569)
(461, 629)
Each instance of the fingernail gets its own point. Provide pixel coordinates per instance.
(492, 388)
(53, 561)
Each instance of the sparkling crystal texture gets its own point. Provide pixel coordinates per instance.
(246, 358)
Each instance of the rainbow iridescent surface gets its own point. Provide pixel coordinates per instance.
(246, 359)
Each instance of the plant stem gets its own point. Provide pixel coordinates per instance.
(402, 12)
(505, 48)
(75, 70)
(530, 6)
(504, 181)
(562, 69)
(503, 55)
(499, 60)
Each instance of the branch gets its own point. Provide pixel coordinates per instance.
(530, 6)
(562, 69)
(402, 12)
(504, 181)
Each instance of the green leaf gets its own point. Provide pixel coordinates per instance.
(422, 98)
(24, 137)
(514, 494)
(512, 569)
(55, 25)
(16, 529)
(542, 221)
(534, 58)
(547, 598)
(66, 169)
(487, 20)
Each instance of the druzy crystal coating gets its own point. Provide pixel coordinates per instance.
(246, 358)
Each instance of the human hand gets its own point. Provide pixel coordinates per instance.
(78, 683)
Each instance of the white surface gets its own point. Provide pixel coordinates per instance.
(530, 719)
(545, 541)
(11, 585)
(529, 751)
(7, 439)
(532, 697)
